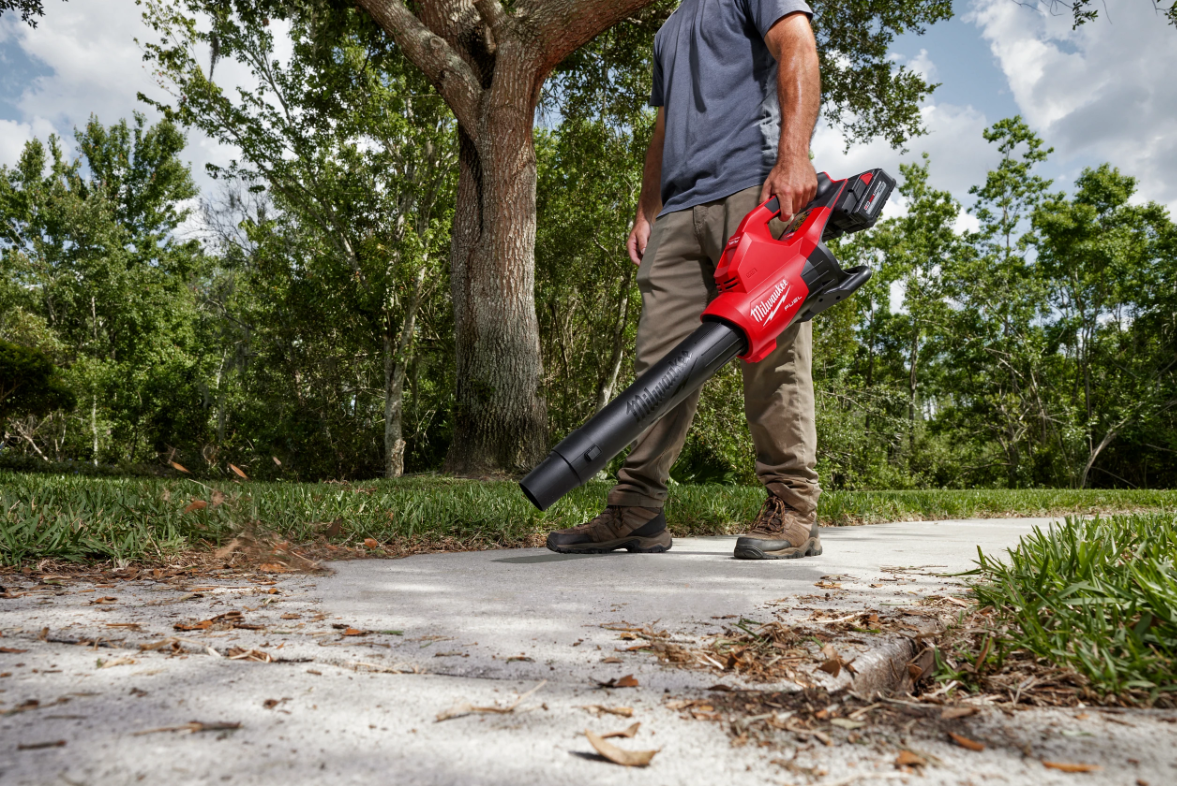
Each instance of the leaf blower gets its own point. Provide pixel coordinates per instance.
(765, 285)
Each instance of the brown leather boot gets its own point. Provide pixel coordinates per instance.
(780, 532)
(633, 528)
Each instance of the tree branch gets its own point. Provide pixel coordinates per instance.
(564, 26)
(443, 66)
(493, 18)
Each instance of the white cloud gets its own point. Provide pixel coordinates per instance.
(98, 68)
(1104, 92)
(959, 155)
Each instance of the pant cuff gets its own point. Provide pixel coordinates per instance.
(803, 500)
(634, 498)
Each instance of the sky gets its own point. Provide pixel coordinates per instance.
(1102, 93)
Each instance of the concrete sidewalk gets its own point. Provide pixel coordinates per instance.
(365, 659)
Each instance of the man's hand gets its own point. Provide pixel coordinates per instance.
(794, 183)
(639, 238)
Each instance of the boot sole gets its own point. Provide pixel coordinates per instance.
(754, 548)
(634, 545)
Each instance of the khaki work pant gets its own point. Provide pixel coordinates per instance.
(676, 279)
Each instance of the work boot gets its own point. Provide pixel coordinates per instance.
(629, 527)
(780, 532)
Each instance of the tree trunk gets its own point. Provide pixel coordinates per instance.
(488, 61)
(500, 419)
(397, 353)
(605, 390)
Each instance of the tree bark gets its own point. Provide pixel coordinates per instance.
(605, 390)
(397, 354)
(489, 65)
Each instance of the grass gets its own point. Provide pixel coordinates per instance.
(1097, 597)
(79, 518)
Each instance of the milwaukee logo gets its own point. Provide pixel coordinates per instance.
(735, 240)
(766, 310)
(644, 403)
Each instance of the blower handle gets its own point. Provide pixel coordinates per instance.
(823, 188)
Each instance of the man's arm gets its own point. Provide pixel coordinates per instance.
(650, 201)
(793, 180)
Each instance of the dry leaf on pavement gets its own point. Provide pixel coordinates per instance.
(908, 759)
(467, 709)
(965, 742)
(625, 712)
(629, 731)
(36, 746)
(106, 664)
(193, 727)
(952, 713)
(619, 755)
(1065, 767)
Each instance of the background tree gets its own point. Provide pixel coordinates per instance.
(91, 251)
(30, 385)
(357, 153)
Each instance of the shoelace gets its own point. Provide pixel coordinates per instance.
(772, 514)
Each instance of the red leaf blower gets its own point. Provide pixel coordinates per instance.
(764, 285)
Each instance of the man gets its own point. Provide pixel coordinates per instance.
(737, 88)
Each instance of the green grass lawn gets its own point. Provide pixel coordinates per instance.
(1094, 596)
(74, 518)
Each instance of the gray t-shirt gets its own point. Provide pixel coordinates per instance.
(715, 76)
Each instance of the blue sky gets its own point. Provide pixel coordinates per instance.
(1103, 93)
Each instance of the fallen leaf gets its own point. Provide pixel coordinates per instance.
(1063, 766)
(611, 659)
(257, 656)
(237, 471)
(619, 755)
(624, 712)
(371, 543)
(12, 650)
(276, 461)
(467, 709)
(908, 759)
(828, 585)
(843, 723)
(218, 499)
(196, 504)
(952, 713)
(35, 746)
(833, 667)
(355, 632)
(193, 727)
(628, 732)
(274, 567)
(270, 704)
(107, 664)
(176, 465)
(100, 601)
(965, 742)
(290, 615)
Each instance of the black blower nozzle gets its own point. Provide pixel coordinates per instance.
(586, 451)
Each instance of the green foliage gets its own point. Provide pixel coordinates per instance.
(29, 10)
(72, 517)
(95, 275)
(1094, 595)
(863, 92)
(29, 383)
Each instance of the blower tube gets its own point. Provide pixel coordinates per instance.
(586, 451)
